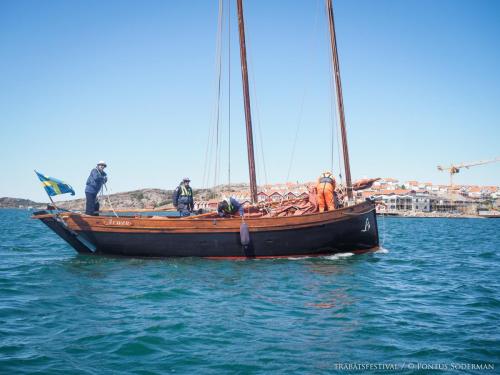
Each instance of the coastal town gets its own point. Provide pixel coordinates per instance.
(395, 197)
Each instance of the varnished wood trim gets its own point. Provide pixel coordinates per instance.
(127, 224)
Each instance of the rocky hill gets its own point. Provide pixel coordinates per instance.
(7, 202)
(146, 198)
(136, 199)
(143, 198)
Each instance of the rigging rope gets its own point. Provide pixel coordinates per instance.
(212, 149)
(335, 125)
(253, 93)
(229, 92)
(383, 229)
(334, 119)
(109, 201)
(301, 110)
(219, 79)
(296, 134)
(207, 155)
(259, 127)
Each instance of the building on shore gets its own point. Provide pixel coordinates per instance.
(395, 196)
(424, 202)
(405, 200)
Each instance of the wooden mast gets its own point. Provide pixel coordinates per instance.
(340, 100)
(246, 96)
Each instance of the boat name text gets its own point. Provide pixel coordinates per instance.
(117, 222)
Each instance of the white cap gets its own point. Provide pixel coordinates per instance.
(102, 162)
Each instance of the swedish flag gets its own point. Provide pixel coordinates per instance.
(53, 186)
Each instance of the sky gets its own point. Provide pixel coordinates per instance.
(134, 83)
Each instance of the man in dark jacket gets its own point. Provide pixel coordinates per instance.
(183, 198)
(96, 179)
(229, 207)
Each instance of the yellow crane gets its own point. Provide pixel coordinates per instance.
(454, 169)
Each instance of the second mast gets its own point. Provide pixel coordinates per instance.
(246, 97)
(340, 100)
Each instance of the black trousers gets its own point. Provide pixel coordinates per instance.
(91, 204)
(184, 209)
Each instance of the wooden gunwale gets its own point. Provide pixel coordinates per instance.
(124, 224)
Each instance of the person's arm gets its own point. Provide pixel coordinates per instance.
(238, 205)
(99, 177)
(191, 200)
(95, 176)
(175, 196)
(90, 179)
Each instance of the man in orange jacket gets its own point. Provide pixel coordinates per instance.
(326, 187)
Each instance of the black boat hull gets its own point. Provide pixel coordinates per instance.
(355, 233)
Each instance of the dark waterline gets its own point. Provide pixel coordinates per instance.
(433, 298)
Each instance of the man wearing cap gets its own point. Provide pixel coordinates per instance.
(96, 179)
(183, 198)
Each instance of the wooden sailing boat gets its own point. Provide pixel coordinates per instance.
(349, 229)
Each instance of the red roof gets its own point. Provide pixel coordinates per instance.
(395, 192)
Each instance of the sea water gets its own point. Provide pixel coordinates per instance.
(429, 301)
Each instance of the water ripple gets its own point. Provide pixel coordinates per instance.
(433, 297)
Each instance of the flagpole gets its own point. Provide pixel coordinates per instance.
(53, 203)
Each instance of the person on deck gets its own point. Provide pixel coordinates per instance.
(229, 207)
(96, 180)
(183, 198)
(326, 188)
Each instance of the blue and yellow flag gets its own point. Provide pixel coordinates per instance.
(53, 186)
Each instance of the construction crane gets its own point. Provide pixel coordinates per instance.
(454, 169)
